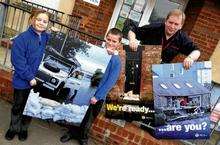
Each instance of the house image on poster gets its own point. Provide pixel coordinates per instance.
(179, 99)
(182, 98)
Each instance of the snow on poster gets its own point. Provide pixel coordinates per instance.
(182, 100)
(67, 78)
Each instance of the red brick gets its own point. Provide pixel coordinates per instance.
(98, 136)
(98, 129)
(117, 138)
(112, 127)
(101, 124)
(131, 135)
(137, 139)
(122, 132)
(131, 143)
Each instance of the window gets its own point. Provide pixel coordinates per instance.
(163, 86)
(162, 7)
(177, 85)
(189, 85)
(130, 9)
(143, 11)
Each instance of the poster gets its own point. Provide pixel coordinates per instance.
(139, 5)
(125, 11)
(135, 16)
(67, 78)
(120, 23)
(182, 100)
(129, 2)
(125, 101)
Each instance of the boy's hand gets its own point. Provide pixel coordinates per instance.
(33, 82)
(93, 100)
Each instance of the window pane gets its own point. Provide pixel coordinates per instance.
(162, 7)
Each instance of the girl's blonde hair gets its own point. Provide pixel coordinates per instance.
(36, 12)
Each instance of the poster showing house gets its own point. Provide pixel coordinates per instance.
(182, 100)
(67, 79)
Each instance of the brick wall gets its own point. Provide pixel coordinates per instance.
(150, 55)
(95, 19)
(203, 25)
(130, 134)
(6, 91)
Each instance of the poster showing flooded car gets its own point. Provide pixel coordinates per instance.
(182, 100)
(67, 78)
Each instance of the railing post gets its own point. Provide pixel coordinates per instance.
(22, 22)
(3, 16)
(6, 52)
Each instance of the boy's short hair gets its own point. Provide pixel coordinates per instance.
(115, 31)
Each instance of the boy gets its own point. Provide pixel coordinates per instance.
(113, 41)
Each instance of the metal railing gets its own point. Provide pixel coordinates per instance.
(14, 20)
(56, 15)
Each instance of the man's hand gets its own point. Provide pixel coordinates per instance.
(188, 62)
(133, 44)
(93, 100)
(33, 82)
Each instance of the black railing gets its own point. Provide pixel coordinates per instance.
(57, 15)
(14, 20)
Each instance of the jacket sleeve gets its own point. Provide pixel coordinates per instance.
(147, 32)
(109, 79)
(19, 59)
(140, 32)
(187, 45)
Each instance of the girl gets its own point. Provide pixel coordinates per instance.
(26, 55)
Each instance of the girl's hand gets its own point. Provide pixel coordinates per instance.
(54, 29)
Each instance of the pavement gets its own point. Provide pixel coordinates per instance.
(40, 132)
(44, 133)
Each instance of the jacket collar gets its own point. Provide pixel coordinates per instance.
(32, 30)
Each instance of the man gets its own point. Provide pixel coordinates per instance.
(169, 35)
(113, 41)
